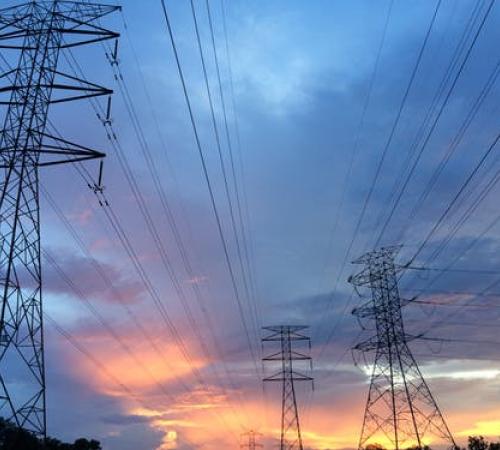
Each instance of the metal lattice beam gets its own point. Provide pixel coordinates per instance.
(39, 31)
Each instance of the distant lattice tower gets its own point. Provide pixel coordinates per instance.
(39, 31)
(250, 440)
(400, 411)
(291, 437)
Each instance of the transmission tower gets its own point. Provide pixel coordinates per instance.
(251, 440)
(291, 438)
(39, 31)
(400, 411)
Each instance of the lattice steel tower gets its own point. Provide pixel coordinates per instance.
(39, 31)
(400, 411)
(251, 440)
(291, 438)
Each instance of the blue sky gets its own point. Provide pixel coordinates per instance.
(310, 101)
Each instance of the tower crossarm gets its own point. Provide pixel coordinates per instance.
(367, 345)
(281, 376)
(366, 310)
(38, 32)
(294, 356)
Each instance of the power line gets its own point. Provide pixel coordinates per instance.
(221, 161)
(256, 311)
(102, 368)
(403, 103)
(434, 103)
(438, 116)
(180, 245)
(384, 152)
(354, 153)
(112, 218)
(104, 323)
(457, 196)
(243, 205)
(209, 186)
(467, 249)
(456, 141)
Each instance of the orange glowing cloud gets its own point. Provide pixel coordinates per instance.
(143, 369)
(489, 429)
(215, 417)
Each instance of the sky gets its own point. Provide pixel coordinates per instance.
(164, 352)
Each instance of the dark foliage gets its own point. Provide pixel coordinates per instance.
(13, 438)
(479, 443)
(474, 443)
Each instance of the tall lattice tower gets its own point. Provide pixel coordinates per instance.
(400, 411)
(39, 31)
(291, 438)
(250, 440)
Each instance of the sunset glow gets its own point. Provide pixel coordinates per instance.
(230, 224)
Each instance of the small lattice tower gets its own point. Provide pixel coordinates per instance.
(291, 438)
(250, 440)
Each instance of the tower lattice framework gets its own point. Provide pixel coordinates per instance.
(250, 439)
(291, 438)
(401, 411)
(38, 31)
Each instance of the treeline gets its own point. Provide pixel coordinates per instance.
(474, 443)
(479, 443)
(14, 438)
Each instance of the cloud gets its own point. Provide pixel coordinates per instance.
(82, 218)
(143, 366)
(87, 274)
(123, 419)
(488, 429)
(199, 279)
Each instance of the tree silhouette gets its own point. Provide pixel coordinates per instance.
(14, 438)
(474, 443)
(477, 443)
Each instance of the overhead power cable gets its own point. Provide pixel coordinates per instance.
(401, 108)
(457, 196)
(224, 170)
(356, 141)
(244, 241)
(456, 140)
(439, 114)
(171, 220)
(143, 207)
(384, 153)
(210, 188)
(103, 369)
(114, 221)
(243, 203)
(431, 110)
